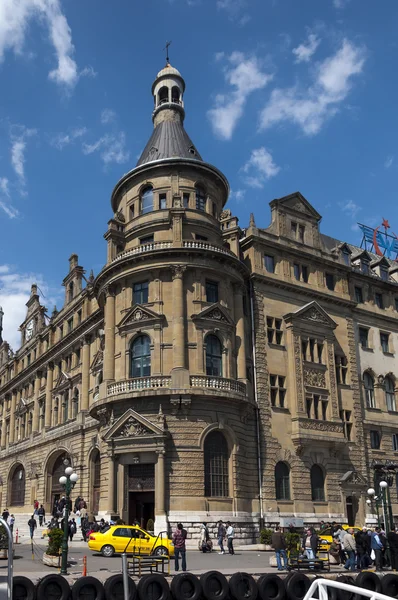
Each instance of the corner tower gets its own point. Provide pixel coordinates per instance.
(175, 400)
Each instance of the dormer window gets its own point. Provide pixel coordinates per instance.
(346, 257)
(147, 200)
(191, 150)
(365, 267)
(384, 273)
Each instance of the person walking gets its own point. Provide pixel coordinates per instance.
(5, 514)
(221, 533)
(35, 507)
(279, 545)
(335, 548)
(309, 544)
(204, 542)
(377, 547)
(11, 521)
(32, 525)
(350, 548)
(72, 529)
(179, 537)
(362, 541)
(392, 539)
(230, 538)
(41, 513)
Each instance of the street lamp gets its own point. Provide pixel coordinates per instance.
(373, 498)
(384, 473)
(68, 481)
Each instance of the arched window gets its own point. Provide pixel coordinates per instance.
(147, 200)
(200, 198)
(17, 496)
(368, 383)
(216, 465)
(140, 357)
(317, 484)
(70, 292)
(390, 393)
(213, 356)
(282, 481)
(163, 95)
(175, 94)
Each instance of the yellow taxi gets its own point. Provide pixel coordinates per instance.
(131, 539)
(326, 537)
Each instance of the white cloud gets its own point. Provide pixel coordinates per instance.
(245, 76)
(5, 198)
(64, 139)
(339, 4)
(111, 147)
(259, 168)
(19, 135)
(238, 195)
(234, 9)
(310, 108)
(108, 116)
(305, 51)
(388, 162)
(15, 18)
(350, 208)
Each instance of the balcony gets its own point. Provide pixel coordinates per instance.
(307, 432)
(137, 384)
(218, 383)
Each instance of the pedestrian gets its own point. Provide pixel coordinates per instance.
(392, 539)
(350, 549)
(362, 541)
(204, 540)
(41, 514)
(230, 537)
(32, 525)
(72, 529)
(35, 507)
(377, 547)
(5, 514)
(309, 544)
(341, 533)
(221, 533)
(335, 548)
(179, 537)
(11, 521)
(279, 545)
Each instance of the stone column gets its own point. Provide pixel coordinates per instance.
(49, 389)
(111, 484)
(160, 494)
(35, 423)
(12, 415)
(3, 426)
(178, 317)
(240, 331)
(85, 373)
(70, 403)
(109, 352)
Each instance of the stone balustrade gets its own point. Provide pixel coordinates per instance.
(139, 383)
(218, 383)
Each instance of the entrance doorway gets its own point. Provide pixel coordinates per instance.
(141, 494)
(351, 509)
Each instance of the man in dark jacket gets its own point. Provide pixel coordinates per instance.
(392, 538)
(221, 532)
(362, 540)
(279, 545)
(309, 544)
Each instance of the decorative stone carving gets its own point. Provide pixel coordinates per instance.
(225, 214)
(300, 207)
(315, 315)
(321, 425)
(298, 364)
(177, 271)
(34, 470)
(332, 379)
(133, 428)
(103, 416)
(314, 378)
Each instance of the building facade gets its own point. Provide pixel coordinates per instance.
(207, 371)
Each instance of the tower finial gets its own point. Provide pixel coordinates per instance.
(166, 48)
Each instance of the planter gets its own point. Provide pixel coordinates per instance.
(51, 561)
(264, 547)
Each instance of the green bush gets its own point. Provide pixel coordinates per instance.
(150, 526)
(292, 540)
(55, 538)
(265, 536)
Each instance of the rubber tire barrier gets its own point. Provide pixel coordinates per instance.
(88, 588)
(336, 594)
(214, 585)
(271, 587)
(53, 587)
(368, 581)
(114, 588)
(23, 588)
(186, 586)
(297, 585)
(242, 586)
(153, 587)
(389, 585)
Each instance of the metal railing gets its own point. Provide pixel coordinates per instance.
(218, 383)
(321, 586)
(139, 383)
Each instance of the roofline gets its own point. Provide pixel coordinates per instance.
(164, 162)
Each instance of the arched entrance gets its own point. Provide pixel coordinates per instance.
(17, 486)
(55, 469)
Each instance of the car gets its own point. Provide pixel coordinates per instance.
(131, 539)
(326, 538)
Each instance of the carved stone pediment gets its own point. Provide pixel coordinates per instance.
(22, 407)
(352, 479)
(313, 314)
(296, 202)
(63, 381)
(216, 313)
(97, 361)
(139, 316)
(132, 425)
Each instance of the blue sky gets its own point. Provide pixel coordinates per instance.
(281, 96)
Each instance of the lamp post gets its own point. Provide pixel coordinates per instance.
(384, 473)
(68, 482)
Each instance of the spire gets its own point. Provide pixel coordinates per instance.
(169, 138)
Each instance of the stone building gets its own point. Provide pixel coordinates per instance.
(207, 371)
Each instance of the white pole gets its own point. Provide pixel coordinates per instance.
(125, 576)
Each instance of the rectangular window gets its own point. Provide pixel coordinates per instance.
(293, 229)
(341, 369)
(274, 331)
(162, 201)
(363, 337)
(201, 238)
(304, 273)
(347, 258)
(297, 271)
(269, 263)
(300, 272)
(365, 267)
(375, 440)
(148, 239)
(308, 407)
(330, 281)
(77, 353)
(70, 324)
(140, 292)
(132, 211)
(278, 390)
(384, 274)
(395, 442)
(28, 360)
(396, 304)
(214, 209)
(384, 341)
(301, 231)
(211, 291)
(185, 200)
(358, 295)
(345, 416)
(379, 300)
